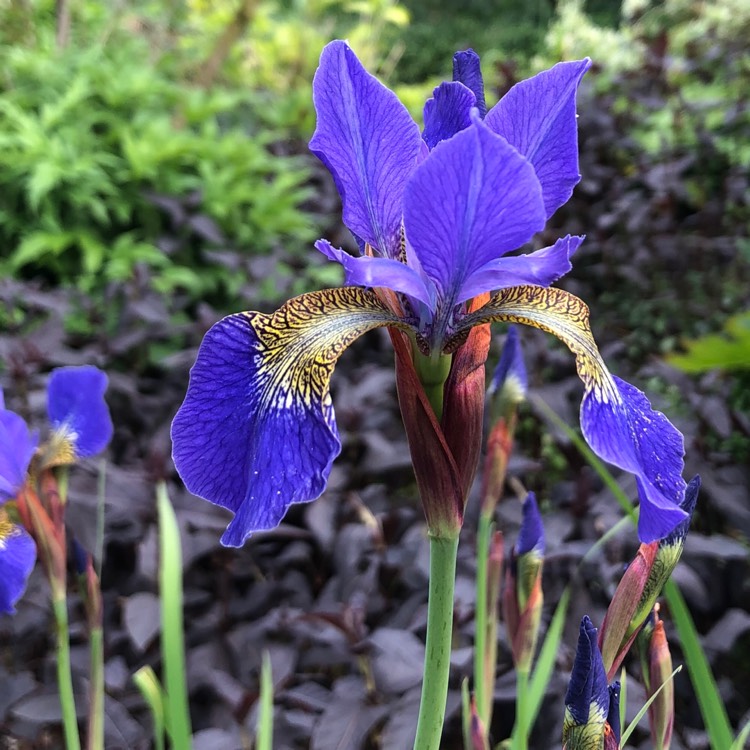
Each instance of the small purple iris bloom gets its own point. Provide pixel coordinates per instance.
(436, 216)
(77, 410)
(17, 549)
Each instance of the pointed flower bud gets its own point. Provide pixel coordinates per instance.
(510, 381)
(661, 710)
(641, 585)
(507, 389)
(523, 597)
(587, 702)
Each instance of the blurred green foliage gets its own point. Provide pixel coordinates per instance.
(120, 152)
(727, 350)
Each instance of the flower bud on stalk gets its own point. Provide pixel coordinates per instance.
(523, 598)
(507, 390)
(640, 586)
(591, 708)
(656, 664)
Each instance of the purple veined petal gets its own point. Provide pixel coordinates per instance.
(447, 112)
(467, 70)
(17, 446)
(538, 117)
(541, 268)
(256, 431)
(17, 558)
(471, 201)
(77, 410)
(617, 420)
(368, 141)
(374, 272)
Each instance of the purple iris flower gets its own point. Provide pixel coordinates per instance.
(17, 549)
(436, 216)
(77, 410)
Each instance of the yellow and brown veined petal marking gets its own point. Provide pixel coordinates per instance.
(256, 431)
(616, 418)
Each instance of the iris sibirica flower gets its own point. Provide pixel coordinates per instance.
(436, 215)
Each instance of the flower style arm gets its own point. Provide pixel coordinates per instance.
(256, 431)
(616, 418)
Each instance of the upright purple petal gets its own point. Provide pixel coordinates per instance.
(368, 141)
(374, 272)
(256, 431)
(467, 70)
(77, 409)
(471, 201)
(17, 446)
(538, 117)
(540, 268)
(447, 112)
(17, 558)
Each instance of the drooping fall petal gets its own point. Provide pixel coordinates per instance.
(616, 418)
(256, 431)
(17, 558)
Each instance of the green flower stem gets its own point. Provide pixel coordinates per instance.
(95, 739)
(438, 648)
(480, 618)
(521, 732)
(64, 678)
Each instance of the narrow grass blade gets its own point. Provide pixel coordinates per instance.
(742, 738)
(148, 684)
(623, 695)
(709, 699)
(172, 643)
(545, 664)
(264, 735)
(633, 724)
(466, 713)
(594, 461)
